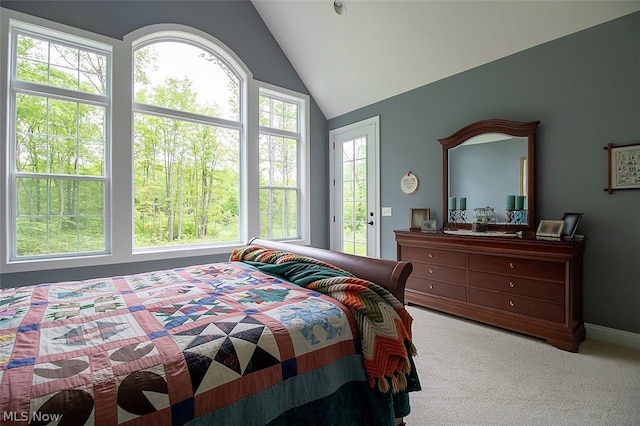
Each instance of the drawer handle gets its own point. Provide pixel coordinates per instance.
(430, 271)
(512, 265)
(511, 284)
(431, 286)
(511, 303)
(430, 254)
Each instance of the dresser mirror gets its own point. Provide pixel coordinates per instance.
(490, 163)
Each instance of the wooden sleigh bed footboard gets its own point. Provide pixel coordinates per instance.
(390, 274)
(220, 343)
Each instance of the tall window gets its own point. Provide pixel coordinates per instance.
(280, 138)
(187, 132)
(155, 146)
(60, 112)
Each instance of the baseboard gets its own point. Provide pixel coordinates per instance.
(612, 335)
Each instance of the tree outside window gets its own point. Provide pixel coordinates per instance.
(279, 173)
(186, 146)
(59, 179)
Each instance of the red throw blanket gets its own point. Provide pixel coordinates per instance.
(383, 322)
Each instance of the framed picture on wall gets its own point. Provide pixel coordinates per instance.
(623, 167)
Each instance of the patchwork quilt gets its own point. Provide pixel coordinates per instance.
(170, 346)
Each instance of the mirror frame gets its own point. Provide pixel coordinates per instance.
(512, 128)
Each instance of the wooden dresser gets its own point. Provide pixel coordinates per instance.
(521, 284)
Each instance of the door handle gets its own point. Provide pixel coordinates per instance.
(370, 223)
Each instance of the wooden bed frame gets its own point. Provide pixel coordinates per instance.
(390, 274)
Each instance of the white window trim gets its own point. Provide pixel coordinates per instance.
(120, 213)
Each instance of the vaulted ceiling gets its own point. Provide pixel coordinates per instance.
(381, 48)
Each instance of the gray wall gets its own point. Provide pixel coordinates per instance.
(235, 23)
(585, 89)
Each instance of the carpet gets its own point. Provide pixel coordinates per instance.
(474, 374)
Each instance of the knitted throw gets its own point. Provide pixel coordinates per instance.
(384, 324)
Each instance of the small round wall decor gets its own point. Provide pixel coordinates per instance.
(409, 183)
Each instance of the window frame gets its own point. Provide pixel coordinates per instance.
(18, 87)
(14, 24)
(119, 212)
(300, 136)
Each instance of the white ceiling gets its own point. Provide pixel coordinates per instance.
(381, 48)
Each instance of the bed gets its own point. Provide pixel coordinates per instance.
(250, 341)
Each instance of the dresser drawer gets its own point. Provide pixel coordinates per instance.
(515, 266)
(437, 288)
(520, 305)
(434, 256)
(439, 272)
(553, 292)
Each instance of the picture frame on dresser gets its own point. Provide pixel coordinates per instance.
(429, 226)
(550, 229)
(571, 222)
(417, 218)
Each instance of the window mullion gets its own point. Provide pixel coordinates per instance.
(279, 133)
(29, 88)
(60, 176)
(184, 115)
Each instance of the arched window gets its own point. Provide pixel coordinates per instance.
(187, 126)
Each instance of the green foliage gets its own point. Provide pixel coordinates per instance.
(186, 174)
(278, 170)
(354, 196)
(61, 137)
